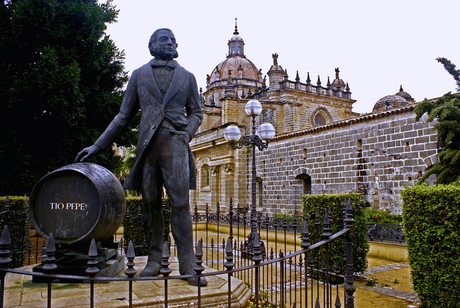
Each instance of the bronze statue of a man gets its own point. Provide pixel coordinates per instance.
(168, 97)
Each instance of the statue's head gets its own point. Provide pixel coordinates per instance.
(162, 44)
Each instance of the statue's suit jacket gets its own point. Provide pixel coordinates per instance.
(180, 106)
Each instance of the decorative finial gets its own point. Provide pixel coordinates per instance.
(275, 59)
(401, 88)
(297, 78)
(236, 27)
(319, 81)
(308, 77)
(328, 82)
(337, 71)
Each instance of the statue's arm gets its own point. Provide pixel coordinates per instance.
(193, 108)
(128, 110)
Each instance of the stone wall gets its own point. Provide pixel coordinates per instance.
(376, 154)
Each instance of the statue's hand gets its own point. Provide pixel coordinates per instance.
(185, 134)
(87, 153)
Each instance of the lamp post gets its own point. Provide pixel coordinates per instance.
(265, 132)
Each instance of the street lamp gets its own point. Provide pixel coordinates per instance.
(257, 138)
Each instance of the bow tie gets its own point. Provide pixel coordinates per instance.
(166, 64)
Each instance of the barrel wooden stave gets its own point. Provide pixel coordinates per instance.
(78, 202)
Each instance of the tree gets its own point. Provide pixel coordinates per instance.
(446, 112)
(61, 83)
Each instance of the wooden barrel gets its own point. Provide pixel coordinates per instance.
(78, 202)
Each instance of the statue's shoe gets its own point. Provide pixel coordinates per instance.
(151, 269)
(194, 281)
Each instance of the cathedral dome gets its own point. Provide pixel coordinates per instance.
(238, 66)
(390, 102)
(405, 95)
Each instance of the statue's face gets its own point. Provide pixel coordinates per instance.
(166, 43)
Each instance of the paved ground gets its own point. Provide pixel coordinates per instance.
(21, 292)
(392, 289)
(396, 274)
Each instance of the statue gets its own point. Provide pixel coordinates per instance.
(162, 89)
(275, 59)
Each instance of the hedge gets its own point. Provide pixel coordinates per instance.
(321, 203)
(17, 219)
(133, 224)
(432, 228)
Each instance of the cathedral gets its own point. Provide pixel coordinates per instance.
(321, 145)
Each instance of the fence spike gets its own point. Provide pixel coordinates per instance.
(229, 264)
(165, 270)
(130, 255)
(326, 227)
(92, 269)
(5, 247)
(317, 303)
(305, 239)
(294, 222)
(337, 301)
(257, 257)
(317, 224)
(50, 250)
(199, 260)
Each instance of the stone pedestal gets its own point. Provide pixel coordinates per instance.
(20, 292)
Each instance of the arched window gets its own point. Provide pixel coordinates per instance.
(320, 117)
(205, 176)
(320, 120)
(265, 116)
(306, 183)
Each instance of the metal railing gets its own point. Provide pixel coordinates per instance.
(386, 232)
(302, 278)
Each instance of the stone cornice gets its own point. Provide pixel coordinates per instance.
(364, 118)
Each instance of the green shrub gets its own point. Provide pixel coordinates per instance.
(431, 224)
(376, 216)
(133, 224)
(320, 203)
(18, 222)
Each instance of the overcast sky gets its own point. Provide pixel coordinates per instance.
(378, 45)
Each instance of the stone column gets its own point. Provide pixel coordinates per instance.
(215, 186)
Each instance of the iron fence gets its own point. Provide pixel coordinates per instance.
(276, 269)
(386, 232)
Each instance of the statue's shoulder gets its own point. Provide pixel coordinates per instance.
(181, 68)
(146, 67)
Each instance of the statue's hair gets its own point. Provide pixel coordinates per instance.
(153, 47)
